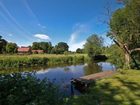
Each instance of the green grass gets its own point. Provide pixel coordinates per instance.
(121, 89)
(2, 56)
(15, 61)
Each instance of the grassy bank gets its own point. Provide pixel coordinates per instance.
(15, 61)
(121, 89)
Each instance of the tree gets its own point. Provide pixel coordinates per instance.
(79, 50)
(115, 55)
(61, 47)
(93, 45)
(53, 50)
(11, 48)
(3, 43)
(45, 46)
(35, 46)
(125, 29)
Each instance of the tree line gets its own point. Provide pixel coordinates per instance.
(47, 47)
(93, 46)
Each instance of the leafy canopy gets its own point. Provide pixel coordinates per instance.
(93, 45)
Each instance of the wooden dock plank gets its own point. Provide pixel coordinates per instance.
(84, 82)
(98, 75)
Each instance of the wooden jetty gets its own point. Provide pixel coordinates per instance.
(98, 75)
(84, 82)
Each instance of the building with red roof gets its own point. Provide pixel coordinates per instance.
(23, 50)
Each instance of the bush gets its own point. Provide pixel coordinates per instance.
(25, 89)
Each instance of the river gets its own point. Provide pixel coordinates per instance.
(61, 76)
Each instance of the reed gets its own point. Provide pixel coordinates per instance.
(16, 61)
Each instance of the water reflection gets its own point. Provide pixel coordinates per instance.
(61, 75)
(91, 68)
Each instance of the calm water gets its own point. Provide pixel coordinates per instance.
(62, 75)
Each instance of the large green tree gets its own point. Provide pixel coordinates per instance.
(125, 29)
(11, 48)
(45, 46)
(61, 47)
(79, 50)
(93, 45)
(3, 43)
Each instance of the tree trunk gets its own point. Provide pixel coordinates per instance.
(127, 60)
(128, 56)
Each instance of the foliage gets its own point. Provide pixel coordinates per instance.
(115, 56)
(25, 89)
(3, 43)
(61, 47)
(45, 46)
(125, 28)
(125, 24)
(93, 45)
(11, 48)
(79, 50)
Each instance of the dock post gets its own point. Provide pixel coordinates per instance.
(72, 88)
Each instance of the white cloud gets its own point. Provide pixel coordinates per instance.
(42, 36)
(74, 46)
(78, 29)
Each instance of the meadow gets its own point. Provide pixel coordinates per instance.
(15, 61)
(120, 89)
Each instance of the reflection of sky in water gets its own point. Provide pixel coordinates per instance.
(62, 75)
(106, 66)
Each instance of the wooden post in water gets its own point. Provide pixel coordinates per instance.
(72, 90)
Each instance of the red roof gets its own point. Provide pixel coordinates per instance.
(24, 49)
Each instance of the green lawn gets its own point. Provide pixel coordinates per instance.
(121, 89)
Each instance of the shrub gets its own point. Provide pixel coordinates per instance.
(25, 89)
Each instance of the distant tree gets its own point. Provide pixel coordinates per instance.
(93, 45)
(11, 48)
(53, 50)
(49, 47)
(61, 47)
(3, 43)
(45, 46)
(35, 46)
(79, 50)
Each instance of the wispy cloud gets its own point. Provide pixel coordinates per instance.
(42, 36)
(41, 26)
(78, 29)
(10, 34)
(11, 19)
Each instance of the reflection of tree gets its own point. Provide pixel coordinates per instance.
(66, 69)
(92, 68)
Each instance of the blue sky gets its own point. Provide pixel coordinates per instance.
(71, 21)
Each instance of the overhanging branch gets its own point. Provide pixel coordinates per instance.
(136, 49)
